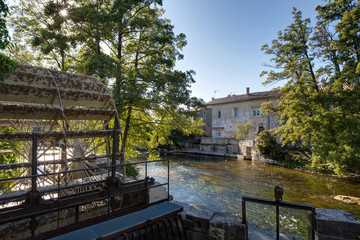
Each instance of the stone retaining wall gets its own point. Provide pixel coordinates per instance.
(201, 223)
(333, 224)
(244, 149)
(219, 145)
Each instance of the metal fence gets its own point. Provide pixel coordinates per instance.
(277, 202)
(109, 190)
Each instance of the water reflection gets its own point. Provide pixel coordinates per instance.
(219, 184)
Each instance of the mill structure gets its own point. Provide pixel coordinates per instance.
(60, 164)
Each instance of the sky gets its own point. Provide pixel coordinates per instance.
(225, 38)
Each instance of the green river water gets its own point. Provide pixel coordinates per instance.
(219, 184)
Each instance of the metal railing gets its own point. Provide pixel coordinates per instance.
(277, 202)
(38, 201)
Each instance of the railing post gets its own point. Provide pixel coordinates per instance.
(33, 197)
(243, 208)
(313, 223)
(168, 178)
(277, 223)
(113, 181)
(115, 151)
(278, 193)
(34, 162)
(146, 186)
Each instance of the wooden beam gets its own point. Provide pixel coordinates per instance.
(56, 161)
(8, 111)
(42, 95)
(48, 136)
(63, 81)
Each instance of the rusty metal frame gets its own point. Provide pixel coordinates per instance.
(277, 204)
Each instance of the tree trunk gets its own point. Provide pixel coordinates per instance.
(126, 129)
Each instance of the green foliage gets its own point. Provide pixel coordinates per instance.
(8, 155)
(292, 158)
(177, 137)
(242, 130)
(128, 43)
(4, 34)
(6, 64)
(319, 104)
(173, 127)
(131, 170)
(265, 142)
(287, 157)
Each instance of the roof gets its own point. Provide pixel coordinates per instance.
(244, 97)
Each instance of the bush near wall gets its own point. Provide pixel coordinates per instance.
(286, 156)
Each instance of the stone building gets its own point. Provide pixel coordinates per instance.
(206, 115)
(229, 111)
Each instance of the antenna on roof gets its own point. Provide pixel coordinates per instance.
(215, 91)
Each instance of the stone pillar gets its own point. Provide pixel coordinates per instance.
(202, 223)
(333, 224)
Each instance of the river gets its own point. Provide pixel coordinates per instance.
(219, 184)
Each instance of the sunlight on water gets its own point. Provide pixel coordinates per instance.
(219, 184)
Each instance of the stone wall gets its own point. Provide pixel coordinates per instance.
(206, 115)
(244, 149)
(219, 145)
(201, 223)
(333, 224)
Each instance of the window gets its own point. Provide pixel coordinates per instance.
(217, 134)
(219, 114)
(256, 112)
(235, 112)
(204, 115)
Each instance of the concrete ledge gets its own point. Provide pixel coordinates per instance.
(220, 154)
(333, 224)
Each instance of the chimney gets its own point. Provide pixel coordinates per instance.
(247, 91)
(212, 98)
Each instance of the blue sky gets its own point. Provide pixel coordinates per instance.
(225, 39)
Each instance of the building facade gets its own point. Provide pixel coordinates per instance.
(232, 110)
(206, 115)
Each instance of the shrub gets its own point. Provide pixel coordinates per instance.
(277, 154)
(265, 142)
(243, 130)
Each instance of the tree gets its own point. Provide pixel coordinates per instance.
(144, 50)
(6, 64)
(4, 34)
(265, 142)
(319, 104)
(125, 42)
(174, 127)
(40, 34)
(242, 130)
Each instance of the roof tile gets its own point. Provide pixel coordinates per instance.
(244, 97)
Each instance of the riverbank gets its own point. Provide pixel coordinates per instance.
(263, 159)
